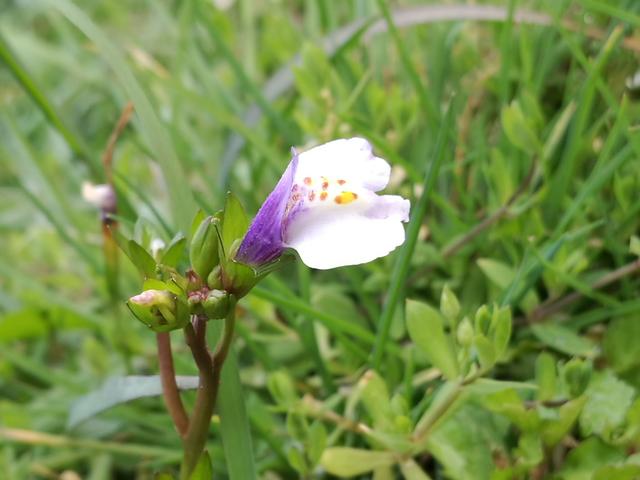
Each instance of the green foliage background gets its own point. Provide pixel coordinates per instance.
(525, 196)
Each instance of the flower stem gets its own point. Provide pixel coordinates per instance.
(209, 369)
(170, 390)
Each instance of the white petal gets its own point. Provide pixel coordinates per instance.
(348, 234)
(351, 160)
(100, 195)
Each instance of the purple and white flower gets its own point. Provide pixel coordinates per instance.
(326, 208)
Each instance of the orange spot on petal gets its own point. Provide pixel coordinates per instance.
(323, 196)
(307, 181)
(341, 182)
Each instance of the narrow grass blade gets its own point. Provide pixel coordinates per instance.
(243, 78)
(40, 99)
(401, 266)
(308, 333)
(332, 323)
(234, 423)
(152, 129)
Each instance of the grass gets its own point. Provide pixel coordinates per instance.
(530, 195)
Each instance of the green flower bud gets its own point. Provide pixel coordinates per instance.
(449, 305)
(238, 278)
(203, 252)
(160, 310)
(217, 304)
(483, 320)
(214, 280)
(464, 333)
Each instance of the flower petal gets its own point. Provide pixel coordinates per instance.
(350, 160)
(263, 242)
(348, 234)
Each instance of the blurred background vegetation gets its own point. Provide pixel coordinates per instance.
(525, 197)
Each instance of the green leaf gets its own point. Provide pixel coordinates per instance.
(203, 470)
(297, 426)
(617, 472)
(608, 400)
(163, 476)
(586, 458)
(577, 374)
(501, 324)
(530, 449)
(34, 321)
(119, 390)
(485, 386)
(485, 350)
(296, 460)
(621, 343)
(143, 261)
(426, 328)
(174, 251)
(234, 225)
(316, 442)
(348, 462)
(518, 130)
(553, 431)
(546, 376)
(564, 340)
(503, 276)
(464, 444)
(508, 403)
(375, 398)
(634, 245)
(281, 388)
(449, 305)
(412, 471)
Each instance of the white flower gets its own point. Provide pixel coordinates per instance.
(101, 196)
(326, 208)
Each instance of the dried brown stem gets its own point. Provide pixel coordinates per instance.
(317, 409)
(107, 156)
(554, 305)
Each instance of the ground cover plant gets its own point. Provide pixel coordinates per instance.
(501, 340)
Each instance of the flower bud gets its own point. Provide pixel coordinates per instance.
(159, 310)
(217, 304)
(449, 305)
(203, 252)
(214, 280)
(238, 278)
(483, 320)
(464, 333)
(101, 196)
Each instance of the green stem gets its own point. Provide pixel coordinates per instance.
(209, 369)
(442, 405)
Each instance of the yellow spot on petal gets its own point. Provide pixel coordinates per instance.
(345, 197)
(323, 196)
